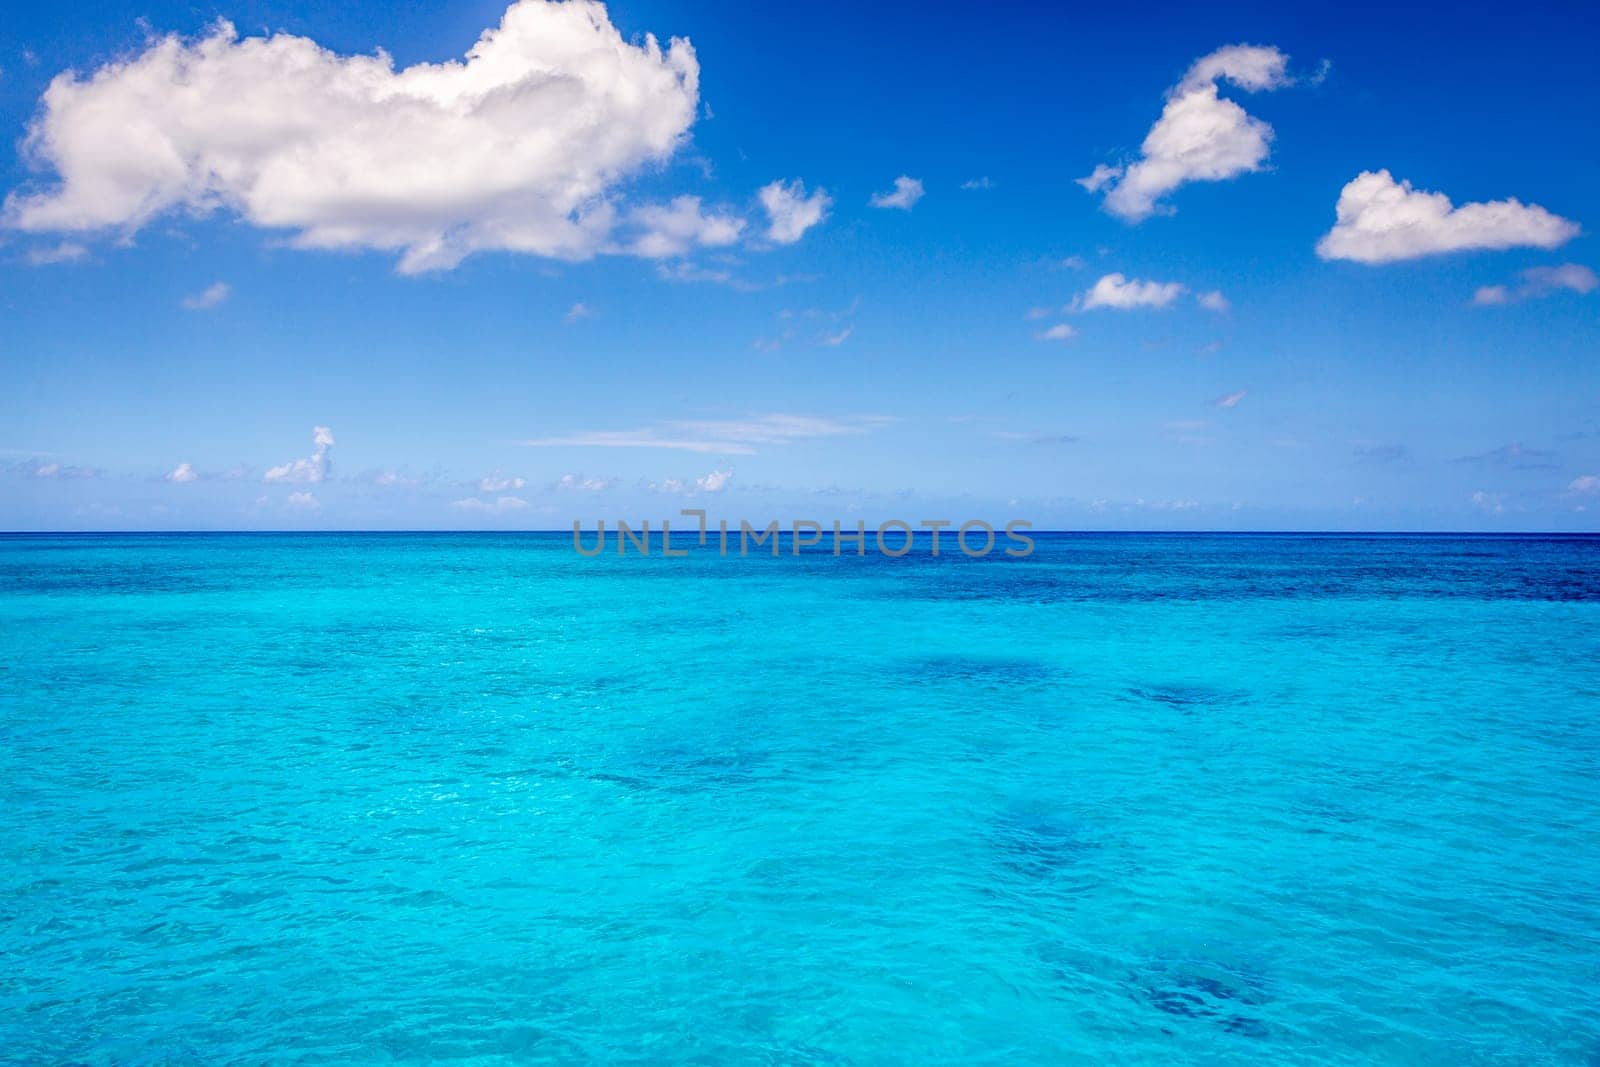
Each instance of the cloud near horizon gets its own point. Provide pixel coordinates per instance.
(719, 436)
(1199, 136)
(311, 470)
(1379, 220)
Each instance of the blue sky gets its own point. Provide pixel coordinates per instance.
(511, 319)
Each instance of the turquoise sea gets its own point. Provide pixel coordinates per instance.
(429, 798)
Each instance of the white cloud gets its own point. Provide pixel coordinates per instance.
(498, 506)
(1491, 503)
(517, 148)
(1059, 332)
(1379, 220)
(579, 484)
(53, 469)
(577, 312)
(680, 227)
(302, 502)
(183, 472)
(1588, 483)
(314, 469)
(978, 183)
(1199, 136)
(1213, 301)
(715, 482)
(1117, 291)
(834, 340)
(499, 483)
(65, 252)
(1541, 281)
(210, 297)
(720, 436)
(791, 211)
(1230, 400)
(905, 194)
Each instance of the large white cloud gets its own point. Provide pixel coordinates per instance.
(1380, 220)
(519, 147)
(1199, 136)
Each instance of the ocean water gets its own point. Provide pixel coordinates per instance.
(474, 799)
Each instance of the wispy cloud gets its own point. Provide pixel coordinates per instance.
(1489, 503)
(183, 472)
(904, 196)
(978, 183)
(500, 505)
(720, 436)
(1061, 331)
(209, 297)
(65, 252)
(577, 313)
(1213, 301)
(1230, 400)
(715, 482)
(499, 483)
(1540, 281)
(578, 483)
(1514, 455)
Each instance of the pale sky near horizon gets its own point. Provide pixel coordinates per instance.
(280, 265)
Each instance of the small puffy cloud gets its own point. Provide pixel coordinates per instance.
(183, 472)
(500, 505)
(1230, 400)
(519, 147)
(313, 469)
(678, 228)
(905, 194)
(499, 483)
(578, 312)
(1116, 291)
(209, 297)
(1489, 503)
(1588, 483)
(715, 482)
(1380, 220)
(65, 252)
(790, 211)
(1199, 136)
(1541, 281)
(1213, 301)
(1061, 331)
(302, 502)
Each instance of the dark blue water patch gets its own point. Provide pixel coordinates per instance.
(1041, 845)
(989, 670)
(1188, 698)
(1229, 997)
